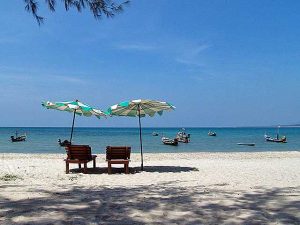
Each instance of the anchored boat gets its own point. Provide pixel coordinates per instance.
(276, 139)
(18, 138)
(183, 137)
(154, 134)
(169, 141)
(64, 143)
(246, 144)
(211, 133)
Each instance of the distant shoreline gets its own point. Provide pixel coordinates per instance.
(204, 127)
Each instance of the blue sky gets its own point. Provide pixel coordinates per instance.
(221, 63)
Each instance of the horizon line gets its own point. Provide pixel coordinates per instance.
(261, 126)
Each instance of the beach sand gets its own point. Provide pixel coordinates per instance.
(183, 188)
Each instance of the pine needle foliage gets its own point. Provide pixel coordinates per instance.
(98, 8)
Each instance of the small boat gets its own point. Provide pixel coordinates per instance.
(18, 138)
(276, 139)
(211, 133)
(169, 141)
(183, 137)
(64, 143)
(154, 134)
(246, 144)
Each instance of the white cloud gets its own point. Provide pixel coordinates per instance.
(198, 49)
(184, 52)
(7, 40)
(137, 47)
(20, 75)
(69, 79)
(190, 55)
(191, 62)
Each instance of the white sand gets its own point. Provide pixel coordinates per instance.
(185, 188)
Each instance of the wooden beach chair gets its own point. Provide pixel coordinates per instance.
(118, 155)
(79, 154)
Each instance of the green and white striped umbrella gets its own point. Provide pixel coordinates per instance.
(75, 107)
(140, 108)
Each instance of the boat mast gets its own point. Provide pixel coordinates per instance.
(277, 136)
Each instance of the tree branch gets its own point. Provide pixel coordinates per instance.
(97, 7)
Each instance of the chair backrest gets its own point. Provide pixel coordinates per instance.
(118, 152)
(81, 152)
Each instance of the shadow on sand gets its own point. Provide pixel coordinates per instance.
(133, 170)
(153, 204)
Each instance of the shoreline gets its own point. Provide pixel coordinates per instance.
(175, 188)
(95, 152)
(136, 154)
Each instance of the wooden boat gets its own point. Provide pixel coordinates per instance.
(210, 133)
(246, 144)
(64, 143)
(183, 137)
(18, 138)
(168, 141)
(277, 139)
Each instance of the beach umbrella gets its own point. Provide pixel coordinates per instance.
(76, 107)
(140, 108)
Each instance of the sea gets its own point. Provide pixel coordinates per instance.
(44, 139)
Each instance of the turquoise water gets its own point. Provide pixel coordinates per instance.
(44, 140)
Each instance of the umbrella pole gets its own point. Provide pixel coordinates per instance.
(72, 126)
(142, 163)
